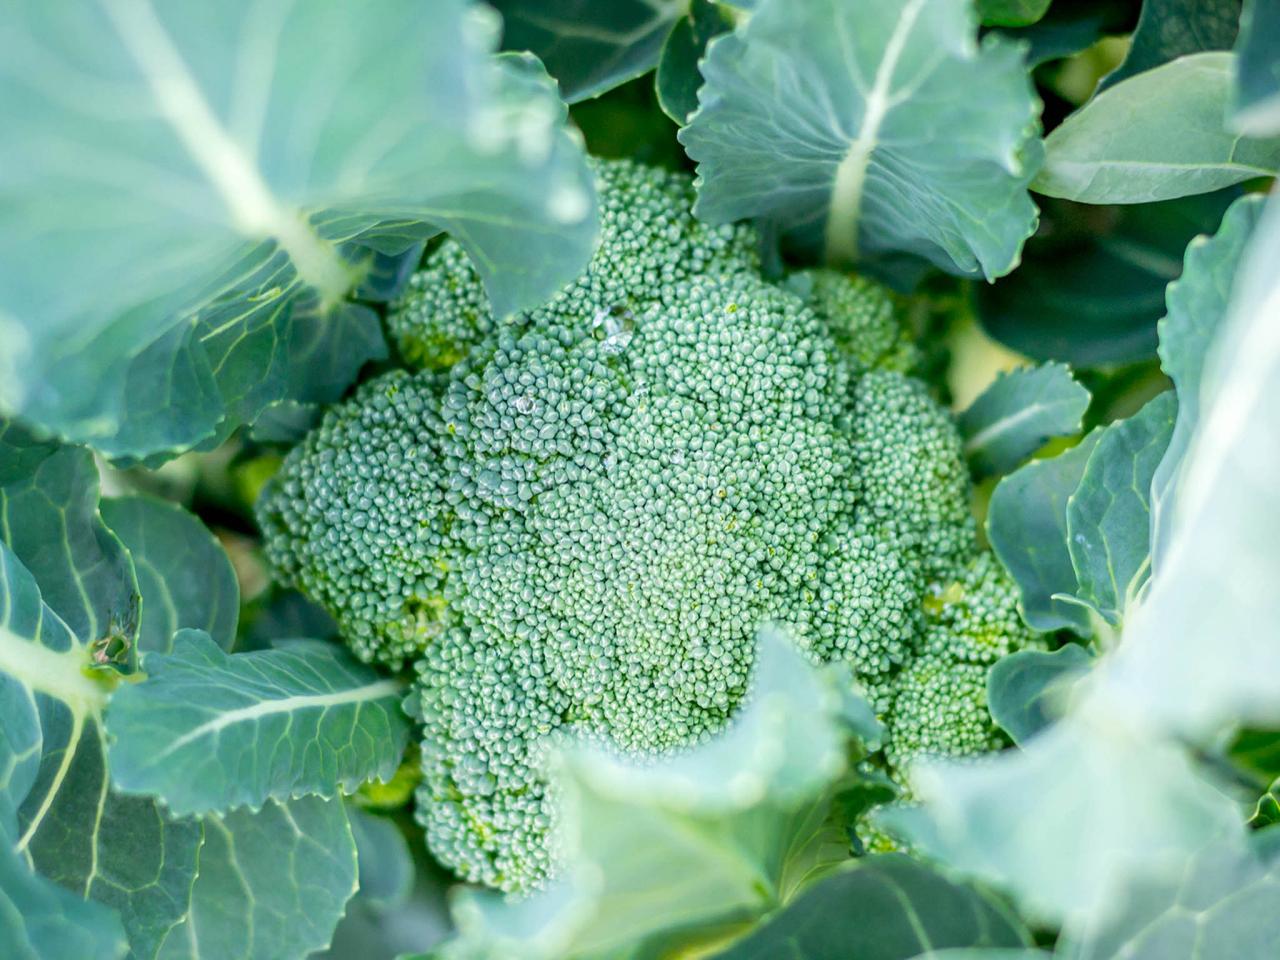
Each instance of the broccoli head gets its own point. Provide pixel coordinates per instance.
(575, 519)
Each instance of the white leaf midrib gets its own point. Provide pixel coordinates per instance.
(985, 437)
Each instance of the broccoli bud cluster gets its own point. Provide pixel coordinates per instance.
(574, 520)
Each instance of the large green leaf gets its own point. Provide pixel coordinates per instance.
(1169, 29)
(184, 576)
(1027, 527)
(1021, 410)
(1197, 307)
(49, 518)
(1026, 689)
(208, 731)
(1071, 26)
(678, 78)
(882, 908)
(720, 833)
(1091, 286)
(1255, 100)
(1109, 515)
(41, 921)
(1155, 136)
(272, 884)
(870, 128)
(217, 188)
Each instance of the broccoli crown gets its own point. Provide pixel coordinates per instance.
(575, 519)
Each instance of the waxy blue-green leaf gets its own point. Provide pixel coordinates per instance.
(1197, 307)
(1109, 515)
(882, 908)
(1091, 286)
(1168, 29)
(1071, 26)
(41, 921)
(590, 47)
(217, 189)
(207, 731)
(272, 884)
(1155, 136)
(678, 77)
(184, 576)
(1011, 13)
(1255, 101)
(722, 831)
(49, 518)
(385, 863)
(1026, 689)
(1021, 410)
(1027, 527)
(868, 129)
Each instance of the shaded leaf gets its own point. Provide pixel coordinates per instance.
(208, 731)
(1255, 101)
(1168, 29)
(255, 202)
(1011, 13)
(385, 864)
(1109, 515)
(1024, 689)
(1071, 26)
(1091, 286)
(184, 576)
(678, 76)
(1154, 136)
(272, 883)
(49, 518)
(1027, 527)
(1021, 410)
(881, 908)
(872, 129)
(1197, 307)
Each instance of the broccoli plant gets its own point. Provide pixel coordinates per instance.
(646, 480)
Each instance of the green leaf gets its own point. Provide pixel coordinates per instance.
(678, 76)
(49, 519)
(1169, 29)
(215, 219)
(1091, 286)
(20, 746)
(1070, 27)
(41, 921)
(1025, 689)
(1027, 527)
(1197, 307)
(870, 129)
(1021, 410)
(722, 832)
(882, 908)
(1109, 515)
(1257, 751)
(185, 577)
(1221, 905)
(590, 47)
(1011, 13)
(385, 864)
(1155, 136)
(1255, 94)
(208, 731)
(272, 884)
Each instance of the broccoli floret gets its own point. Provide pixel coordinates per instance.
(574, 520)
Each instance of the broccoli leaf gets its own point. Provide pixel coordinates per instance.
(385, 864)
(184, 575)
(1069, 27)
(870, 129)
(1197, 305)
(1091, 286)
(882, 908)
(590, 47)
(208, 731)
(272, 883)
(251, 183)
(1024, 689)
(1011, 13)
(41, 921)
(49, 518)
(1255, 94)
(1109, 515)
(678, 77)
(1027, 527)
(721, 832)
(1168, 29)
(1021, 410)
(1155, 136)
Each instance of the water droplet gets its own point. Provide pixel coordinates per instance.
(614, 327)
(525, 404)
